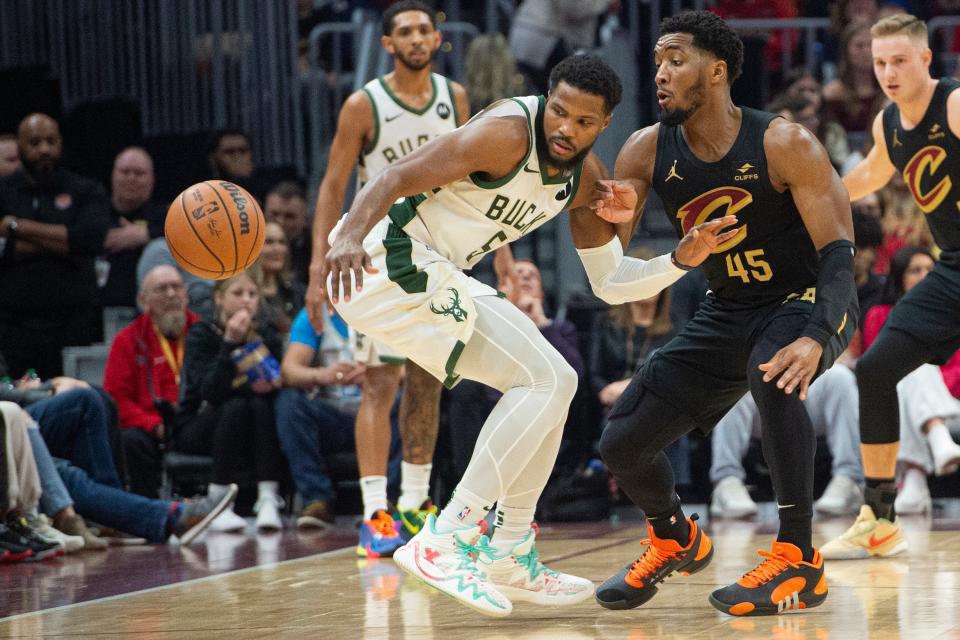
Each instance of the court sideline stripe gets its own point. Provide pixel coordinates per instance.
(215, 576)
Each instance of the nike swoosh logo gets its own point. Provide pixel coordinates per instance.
(393, 118)
(876, 543)
(527, 168)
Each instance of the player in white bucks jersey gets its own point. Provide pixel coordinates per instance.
(385, 121)
(395, 273)
(918, 135)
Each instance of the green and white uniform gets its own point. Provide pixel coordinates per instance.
(421, 303)
(398, 130)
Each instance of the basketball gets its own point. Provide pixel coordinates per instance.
(215, 229)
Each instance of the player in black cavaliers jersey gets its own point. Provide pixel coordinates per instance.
(919, 136)
(782, 307)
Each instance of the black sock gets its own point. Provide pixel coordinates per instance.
(797, 529)
(672, 524)
(879, 495)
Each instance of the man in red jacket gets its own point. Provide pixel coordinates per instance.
(143, 368)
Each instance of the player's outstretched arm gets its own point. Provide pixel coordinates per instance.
(491, 146)
(353, 126)
(875, 170)
(799, 163)
(600, 243)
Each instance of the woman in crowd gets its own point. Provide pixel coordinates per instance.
(281, 296)
(230, 375)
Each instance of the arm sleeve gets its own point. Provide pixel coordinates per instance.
(616, 279)
(836, 303)
(85, 234)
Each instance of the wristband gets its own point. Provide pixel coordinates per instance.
(678, 264)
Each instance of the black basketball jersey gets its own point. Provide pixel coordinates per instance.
(772, 256)
(928, 156)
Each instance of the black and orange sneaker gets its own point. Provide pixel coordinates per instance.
(637, 583)
(782, 583)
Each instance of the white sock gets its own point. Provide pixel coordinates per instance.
(512, 526)
(267, 489)
(939, 437)
(464, 510)
(414, 485)
(374, 492)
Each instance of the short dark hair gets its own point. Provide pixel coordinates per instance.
(386, 23)
(787, 102)
(217, 135)
(711, 34)
(286, 190)
(591, 74)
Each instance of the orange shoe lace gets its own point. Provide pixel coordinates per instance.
(651, 560)
(766, 570)
(383, 524)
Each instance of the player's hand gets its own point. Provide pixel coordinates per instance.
(796, 365)
(316, 298)
(613, 200)
(237, 326)
(345, 258)
(700, 241)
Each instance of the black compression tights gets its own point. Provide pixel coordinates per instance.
(892, 356)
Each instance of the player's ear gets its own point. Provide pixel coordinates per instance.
(719, 71)
(606, 122)
(926, 56)
(438, 38)
(387, 43)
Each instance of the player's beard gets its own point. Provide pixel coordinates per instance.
(416, 66)
(569, 163)
(695, 97)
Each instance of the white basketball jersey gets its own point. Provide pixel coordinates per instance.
(399, 129)
(468, 218)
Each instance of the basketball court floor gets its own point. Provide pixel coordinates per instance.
(296, 585)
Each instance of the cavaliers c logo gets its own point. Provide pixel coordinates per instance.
(702, 208)
(927, 160)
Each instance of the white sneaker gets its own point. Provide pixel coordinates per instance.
(268, 512)
(42, 526)
(732, 500)
(946, 460)
(447, 562)
(914, 498)
(843, 496)
(521, 576)
(228, 521)
(867, 537)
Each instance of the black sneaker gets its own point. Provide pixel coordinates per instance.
(199, 512)
(10, 548)
(782, 583)
(637, 582)
(40, 546)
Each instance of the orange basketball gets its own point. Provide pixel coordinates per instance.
(215, 229)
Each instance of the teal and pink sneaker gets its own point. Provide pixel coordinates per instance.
(409, 523)
(378, 536)
(448, 562)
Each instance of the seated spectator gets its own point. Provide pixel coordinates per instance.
(868, 237)
(199, 290)
(926, 445)
(230, 157)
(316, 411)
(621, 340)
(833, 409)
(52, 225)
(854, 98)
(20, 494)
(134, 221)
(904, 224)
(77, 439)
(802, 82)
(143, 373)
(9, 154)
(230, 373)
(286, 204)
(281, 295)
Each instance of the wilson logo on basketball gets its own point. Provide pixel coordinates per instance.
(716, 203)
(927, 161)
(241, 202)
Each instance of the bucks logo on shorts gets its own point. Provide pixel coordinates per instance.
(453, 308)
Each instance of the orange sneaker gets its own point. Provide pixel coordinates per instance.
(637, 582)
(782, 583)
